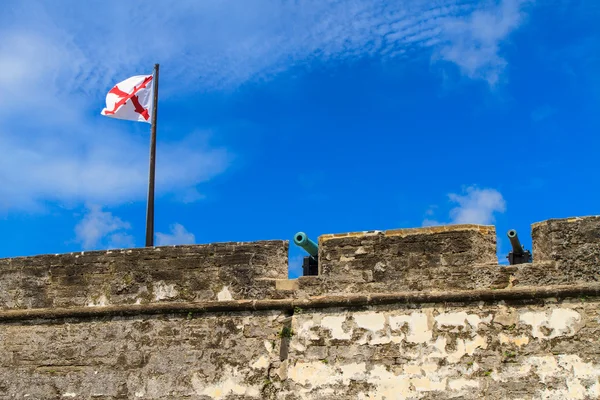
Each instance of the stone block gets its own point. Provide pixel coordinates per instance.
(572, 244)
(405, 254)
(218, 271)
(568, 239)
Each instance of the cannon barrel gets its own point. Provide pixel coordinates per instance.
(515, 243)
(301, 240)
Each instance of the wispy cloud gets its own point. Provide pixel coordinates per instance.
(218, 44)
(178, 235)
(57, 70)
(431, 222)
(96, 167)
(101, 229)
(54, 150)
(476, 206)
(473, 43)
(472, 206)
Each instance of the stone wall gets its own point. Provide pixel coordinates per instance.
(409, 314)
(171, 356)
(572, 245)
(537, 349)
(177, 273)
(408, 259)
(546, 349)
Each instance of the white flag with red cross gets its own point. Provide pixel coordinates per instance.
(131, 99)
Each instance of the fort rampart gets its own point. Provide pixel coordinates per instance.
(421, 313)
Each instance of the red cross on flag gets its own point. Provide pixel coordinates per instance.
(130, 99)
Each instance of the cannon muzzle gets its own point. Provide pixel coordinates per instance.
(301, 240)
(310, 265)
(515, 243)
(518, 255)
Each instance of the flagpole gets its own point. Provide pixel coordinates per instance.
(150, 206)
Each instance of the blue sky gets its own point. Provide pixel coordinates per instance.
(275, 117)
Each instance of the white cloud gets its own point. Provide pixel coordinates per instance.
(101, 229)
(476, 206)
(102, 168)
(222, 44)
(473, 43)
(178, 235)
(55, 145)
(59, 60)
(473, 206)
(430, 222)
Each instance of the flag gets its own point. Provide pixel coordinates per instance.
(131, 99)
(134, 100)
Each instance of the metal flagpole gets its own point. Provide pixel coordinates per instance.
(150, 207)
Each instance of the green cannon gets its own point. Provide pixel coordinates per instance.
(310, 264)
(518, 255)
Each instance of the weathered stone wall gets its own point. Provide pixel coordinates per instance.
(409, 314)
(409, 259)
(179, 273)
(521, 350)
(172, 356)
(571, 244)
(542, 350)
(406, 250)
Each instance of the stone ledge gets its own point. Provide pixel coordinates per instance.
(484, 229)
(176, 287)
(350, 300)
(566, 220)
(153, 252)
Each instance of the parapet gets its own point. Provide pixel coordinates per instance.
(565, 251)
(568, 241)
(433, 259)
(220, 271)
(406, 259)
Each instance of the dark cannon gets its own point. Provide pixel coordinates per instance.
(518, 255)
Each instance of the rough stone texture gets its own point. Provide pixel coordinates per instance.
(544, 273)
(199, 357)
(393, 317)
(573, 244)
(469, 351)
(523, 350)
(220, 271)
(440, 278)
(409, 259)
